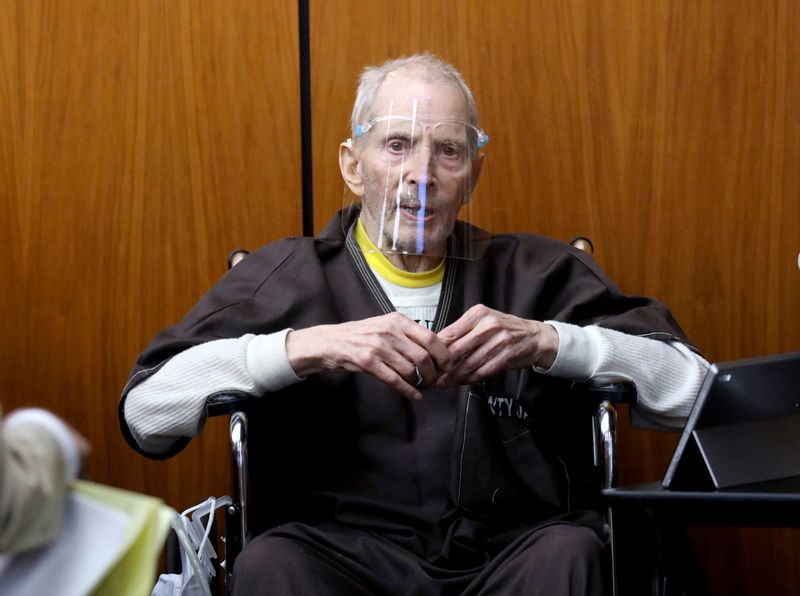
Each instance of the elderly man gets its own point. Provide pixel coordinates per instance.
(415, 373)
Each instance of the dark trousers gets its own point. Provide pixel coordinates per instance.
(554, 559)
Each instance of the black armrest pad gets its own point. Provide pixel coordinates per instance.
(223, 404)
(619, 392)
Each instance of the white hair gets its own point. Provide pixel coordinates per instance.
(428, 66)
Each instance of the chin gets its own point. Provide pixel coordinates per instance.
(408, 245)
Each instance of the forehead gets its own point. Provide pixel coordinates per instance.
(405, 93)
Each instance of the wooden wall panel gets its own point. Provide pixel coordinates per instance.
(140, 141)
(665, 130)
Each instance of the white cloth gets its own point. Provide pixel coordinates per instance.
(667, 375)
(54, 425)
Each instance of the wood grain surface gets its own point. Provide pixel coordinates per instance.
(140, 140)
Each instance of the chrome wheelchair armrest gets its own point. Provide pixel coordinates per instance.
(236, 524)
(604, 423)
(604, 440)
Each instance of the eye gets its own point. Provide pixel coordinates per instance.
(397, 146)
(451, 150)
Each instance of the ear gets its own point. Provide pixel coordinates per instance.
(477, 164)
(350, 167)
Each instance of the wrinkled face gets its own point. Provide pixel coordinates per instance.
(415, 158)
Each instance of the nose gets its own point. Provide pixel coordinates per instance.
(419, 166)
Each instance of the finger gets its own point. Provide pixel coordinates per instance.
(413, 364)
(457, 376)
(462, 326)
(425, 371)
(424, 364)
(461, 349)
(413, 351)
(472, 367)
(482, 333)
(393, 357)
(408, 358)
(445, 381)
(436, 357)
(390, 376)
(484, 372)
(471, 330)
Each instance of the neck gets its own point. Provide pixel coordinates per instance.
(414, 263)
(405, 262)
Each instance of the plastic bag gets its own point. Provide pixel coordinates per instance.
(197, 554)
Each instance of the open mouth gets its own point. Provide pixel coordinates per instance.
(414, 212)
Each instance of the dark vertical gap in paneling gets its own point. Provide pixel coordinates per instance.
(305, 118)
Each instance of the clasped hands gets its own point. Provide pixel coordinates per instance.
(397, 350)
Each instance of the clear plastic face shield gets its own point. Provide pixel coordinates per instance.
(415, 165)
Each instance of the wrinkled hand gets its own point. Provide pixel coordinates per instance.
(391, 347)
(484, 342)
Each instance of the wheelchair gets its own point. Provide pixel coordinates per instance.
(237, 515)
